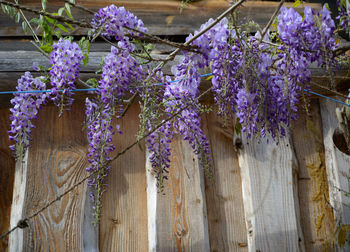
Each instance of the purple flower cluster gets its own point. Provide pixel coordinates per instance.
(311, 36)
(344, 16)
(65, 59)
(119, 71)
(100, 133)
(112, 21)
(25, 108)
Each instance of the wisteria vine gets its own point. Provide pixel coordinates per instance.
(258, 80)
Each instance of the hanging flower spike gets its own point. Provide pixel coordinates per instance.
(65, 59)
(111, 22)
(25, 108)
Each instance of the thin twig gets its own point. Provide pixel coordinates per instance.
(28, 24)
(80, 7)
(172, 55)
(43, 13)
(271, 19)
(24, 222)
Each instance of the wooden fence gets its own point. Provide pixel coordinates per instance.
(261, 197)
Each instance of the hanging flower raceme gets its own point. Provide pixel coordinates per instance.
(312, 36)
(100, 133)
(65, 59)
(111, 22)
(25, 108)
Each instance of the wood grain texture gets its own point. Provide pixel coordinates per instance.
(337, 165)
(317, 218)
(123, 225)
(56, 160)
(161, 17)
(180, 221)
(269, 188)
(7, 170)
(227, 231)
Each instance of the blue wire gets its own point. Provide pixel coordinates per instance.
(158, 84)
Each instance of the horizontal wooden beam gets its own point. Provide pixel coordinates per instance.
(13, 64)
(162, 17)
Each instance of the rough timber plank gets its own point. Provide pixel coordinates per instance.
(161, 17)
(123, 225)
(227, 230)
(337, 165)
(180, 219)
(317, 220)
(270, 195)
(7, 171)
(55, 161)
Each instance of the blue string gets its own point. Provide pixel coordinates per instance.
(158, 84)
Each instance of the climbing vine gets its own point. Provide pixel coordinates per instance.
(260, 78)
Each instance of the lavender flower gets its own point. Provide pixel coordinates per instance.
(65, 59)
(112, 21)
(25, 108)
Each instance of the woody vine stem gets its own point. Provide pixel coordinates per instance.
(259, 78)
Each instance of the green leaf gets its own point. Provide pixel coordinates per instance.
(60, 11)
(296, 3)
(3, 7)
(50, 20)
(92, 82)
(86, 59)
(238, 127)
(11, 12)
(24, 26)
(62, 27)
(68, 10)
(341, 237)
(58, 34)
(47, 48)
(43, 4)
(18, 17)
(69, 25)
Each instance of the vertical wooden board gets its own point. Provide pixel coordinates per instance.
(56, 160)
(123, 225)
(180, 222)
(317, 218)
(227, 231)
(269, 192)
(7, 170)
(337, 165)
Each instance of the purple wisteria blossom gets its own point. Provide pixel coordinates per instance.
(25, 108)
(65, 59)
(112, 20)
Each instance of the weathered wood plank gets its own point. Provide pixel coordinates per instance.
(227, 230)
(162, 17)
(271, 209)
(56, 160)
(316, 214)
(13, 64)
(7, 171)
(123, 225)
(337, 165)
(180, 219)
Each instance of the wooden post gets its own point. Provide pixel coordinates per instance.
(270, 195)
(317, 219)
(55, 161)
(227, 231)
(177, 218)
(123, 225)
(7, 171)
(337, 164)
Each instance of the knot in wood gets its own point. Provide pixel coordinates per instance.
(22, 223)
